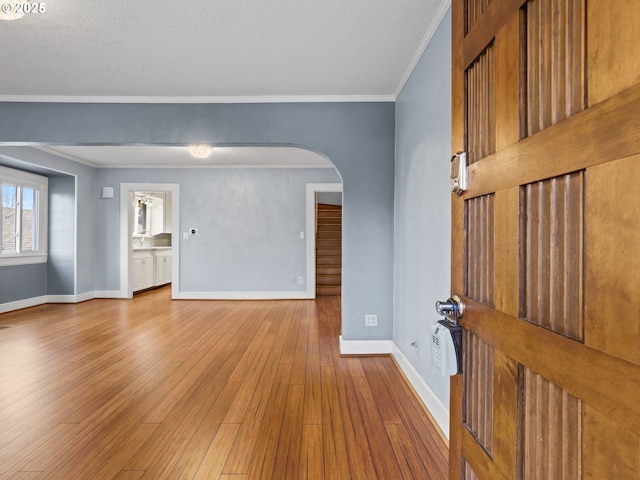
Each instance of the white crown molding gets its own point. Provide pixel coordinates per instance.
(426, 39)
(231, 99)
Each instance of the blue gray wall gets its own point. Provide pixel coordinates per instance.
(357, 137)
(422, 204)
(249, 223)
(18, 282)
(62, 229)
(58, 275)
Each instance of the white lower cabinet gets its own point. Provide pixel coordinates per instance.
(142, 269)
(163, 267)
(150, 268)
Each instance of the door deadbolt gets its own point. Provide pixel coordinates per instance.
(459, 173)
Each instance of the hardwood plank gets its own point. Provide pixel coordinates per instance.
(129, 475)
(26, 476)
(409, 461)
(216, 456)
(422, 431)
(247, 388)
(380, 391)
(262, 463)
(379, 443)
(115, 461)
(312, 386)
(241, 454)
(360, 456)
(312, 455)
(194, 455)
(287, 458)
(336, 461)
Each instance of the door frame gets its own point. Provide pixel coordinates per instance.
(312, 189)
(126, 233)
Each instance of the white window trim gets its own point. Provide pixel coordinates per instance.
(30, 180)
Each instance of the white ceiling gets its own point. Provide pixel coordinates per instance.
(215, 50)
(134, 156)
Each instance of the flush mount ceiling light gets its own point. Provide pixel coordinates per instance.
(200, 150)
(11, 10)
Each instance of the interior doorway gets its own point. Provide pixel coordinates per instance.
(328, 244)
(313, 190)
(149, 237)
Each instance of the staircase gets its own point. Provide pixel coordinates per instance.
(328, 250)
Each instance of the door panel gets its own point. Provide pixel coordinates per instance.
(551, 430)
(546, 243)
(613, 276)
(480, 244)
(481, 106)
(478, 389)
(613, 44)
(552, 233)
(554, 45)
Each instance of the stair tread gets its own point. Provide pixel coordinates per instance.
(328, 291)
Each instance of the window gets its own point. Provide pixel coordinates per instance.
(24, 217)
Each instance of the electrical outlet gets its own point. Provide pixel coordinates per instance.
(300, 280)
(370, 320)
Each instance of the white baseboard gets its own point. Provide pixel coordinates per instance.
(439, 411)
(242, 296)
(18, 304)
(30, 302)
(82, 297)
(365, 347)
(108, 294)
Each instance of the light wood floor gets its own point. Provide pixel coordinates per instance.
(153, 388)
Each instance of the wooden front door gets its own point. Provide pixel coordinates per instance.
(546, 242)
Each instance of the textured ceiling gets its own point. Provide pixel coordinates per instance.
(208, 50)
